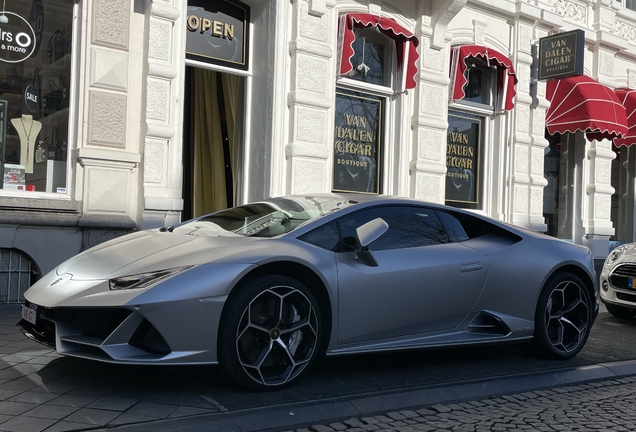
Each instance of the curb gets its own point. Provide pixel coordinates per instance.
(296, 416)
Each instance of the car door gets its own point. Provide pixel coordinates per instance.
(423, 281)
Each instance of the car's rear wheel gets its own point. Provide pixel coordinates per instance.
(269, 333)
(620, 312)
(563, 318)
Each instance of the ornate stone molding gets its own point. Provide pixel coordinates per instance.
(573, 11)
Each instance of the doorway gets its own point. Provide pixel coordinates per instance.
(212, 140)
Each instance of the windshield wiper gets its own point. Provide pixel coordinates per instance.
(169, 229)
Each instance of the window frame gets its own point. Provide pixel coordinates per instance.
(392, 129)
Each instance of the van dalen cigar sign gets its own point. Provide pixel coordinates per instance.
(463, 147)
(356, 142)
(561, 55)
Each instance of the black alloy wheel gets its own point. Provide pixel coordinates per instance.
(563, 318)
(269, 333)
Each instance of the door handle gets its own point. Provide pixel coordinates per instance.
(471, 267)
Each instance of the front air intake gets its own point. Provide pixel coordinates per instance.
(147, 338)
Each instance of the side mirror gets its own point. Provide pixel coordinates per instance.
(367, 234)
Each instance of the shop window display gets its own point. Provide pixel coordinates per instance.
(35, 72)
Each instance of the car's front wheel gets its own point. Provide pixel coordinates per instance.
(269, 333)
(563, 317)
(620, 312)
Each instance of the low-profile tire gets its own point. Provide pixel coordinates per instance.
(269, 333)
(563, 318)
(620, 312)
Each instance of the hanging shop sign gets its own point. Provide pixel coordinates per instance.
(462, 158)
(561, 55)
(17, 39)
(218, 32)
(357, 143)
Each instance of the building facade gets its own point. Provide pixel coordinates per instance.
(117, 115)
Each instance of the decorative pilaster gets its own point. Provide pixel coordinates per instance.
(528, 143)
(310, 100)
(430, 114)
(107, 154)
(428, 168)
(162, 150)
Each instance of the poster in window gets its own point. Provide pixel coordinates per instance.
(356, 142)
(462, 159)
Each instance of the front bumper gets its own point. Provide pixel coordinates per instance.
(615, 289)
(149, 334)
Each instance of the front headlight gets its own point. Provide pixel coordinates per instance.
(614, 255)
(144, 280)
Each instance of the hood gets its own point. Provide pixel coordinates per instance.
(146, 251)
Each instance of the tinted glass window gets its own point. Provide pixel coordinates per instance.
(325, 237)
(454, 228)
(408, 227)
(266, 218)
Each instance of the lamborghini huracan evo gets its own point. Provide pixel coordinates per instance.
(263, 288)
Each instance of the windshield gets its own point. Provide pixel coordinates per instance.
(266, 218)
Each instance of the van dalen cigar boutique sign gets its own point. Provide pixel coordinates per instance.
(356, 143)
(561, 55)
(462, 158)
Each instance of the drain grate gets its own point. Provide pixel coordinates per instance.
(16, 275)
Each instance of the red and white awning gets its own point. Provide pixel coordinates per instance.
(405, 43)
(506, 77)
(627, 97)
(582, 103)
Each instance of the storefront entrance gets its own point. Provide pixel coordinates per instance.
(213, 140)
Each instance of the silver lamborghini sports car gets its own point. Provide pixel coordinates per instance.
(618, 286)
(263, 288)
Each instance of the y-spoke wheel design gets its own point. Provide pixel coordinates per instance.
(275, 325)
(277, 335)
(563, 318)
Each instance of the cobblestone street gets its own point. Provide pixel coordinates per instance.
(600, 406)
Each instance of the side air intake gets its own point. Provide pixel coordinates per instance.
(489, 324)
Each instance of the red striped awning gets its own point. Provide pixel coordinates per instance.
(582, 103)
(506, 77)
(628, 99)
(405, 42)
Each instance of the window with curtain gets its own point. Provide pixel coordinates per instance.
(216, 139)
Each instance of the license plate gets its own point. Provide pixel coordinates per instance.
(29, 314)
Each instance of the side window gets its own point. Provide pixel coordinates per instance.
(454, 228)
(408, 227)
(325, 237)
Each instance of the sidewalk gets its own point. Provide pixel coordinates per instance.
(41, 391)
